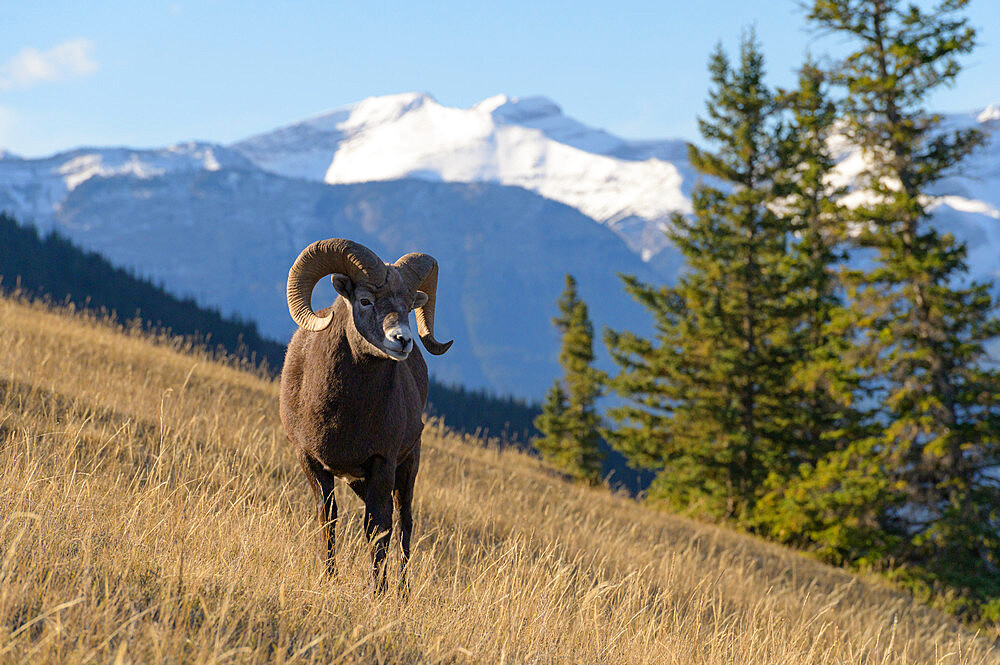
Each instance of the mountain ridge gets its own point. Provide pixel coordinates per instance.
(526, 142)
(479, 188)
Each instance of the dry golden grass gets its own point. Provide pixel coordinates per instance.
(150, 512)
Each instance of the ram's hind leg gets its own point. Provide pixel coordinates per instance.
(406, 474)
(323, 484)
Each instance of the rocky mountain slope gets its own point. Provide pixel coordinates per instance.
(226, 235)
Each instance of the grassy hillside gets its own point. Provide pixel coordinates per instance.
(150, 511)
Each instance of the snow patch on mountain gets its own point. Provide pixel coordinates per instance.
(147, 164)
(962, 204)
(35, 188)
(991, 112)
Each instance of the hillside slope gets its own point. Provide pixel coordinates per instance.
(151, 512)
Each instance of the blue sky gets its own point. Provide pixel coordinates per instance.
(155, 73)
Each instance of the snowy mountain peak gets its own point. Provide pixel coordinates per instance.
(491, 104)
(519, 110)
(632, 187)
(374, 111)
(522, 141)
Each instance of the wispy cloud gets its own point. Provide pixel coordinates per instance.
(71, 59)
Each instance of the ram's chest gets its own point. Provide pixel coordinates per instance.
(369, 426)
(348, 432)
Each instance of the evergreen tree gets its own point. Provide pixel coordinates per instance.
(569, 420)
(710, 403)
(824, 379)
(931, 504)
(553, 423)
(811, 208)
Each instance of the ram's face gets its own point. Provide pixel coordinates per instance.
(381, 313)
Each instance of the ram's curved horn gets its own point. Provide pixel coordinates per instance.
(320, 259)
(420, 273)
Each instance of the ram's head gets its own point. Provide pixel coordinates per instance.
(380, 294)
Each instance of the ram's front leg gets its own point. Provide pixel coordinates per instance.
(406, 473)
(378, 515)
(323, 485)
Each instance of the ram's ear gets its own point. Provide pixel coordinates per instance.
(343, 285)
(419, 299)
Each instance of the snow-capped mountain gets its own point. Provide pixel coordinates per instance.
(508, 195)
(632, 187)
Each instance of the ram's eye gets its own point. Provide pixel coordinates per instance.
(365, 302)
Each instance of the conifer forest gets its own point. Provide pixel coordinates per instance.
(820, 373)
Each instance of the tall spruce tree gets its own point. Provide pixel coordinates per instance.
(569, 421)
(825, 382)
(709, 403)
(811, 206)
(932, 503)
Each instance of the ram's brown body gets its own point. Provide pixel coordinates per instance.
(341, 408)
(354, 384)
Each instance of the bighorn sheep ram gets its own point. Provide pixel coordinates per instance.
(354, 385)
